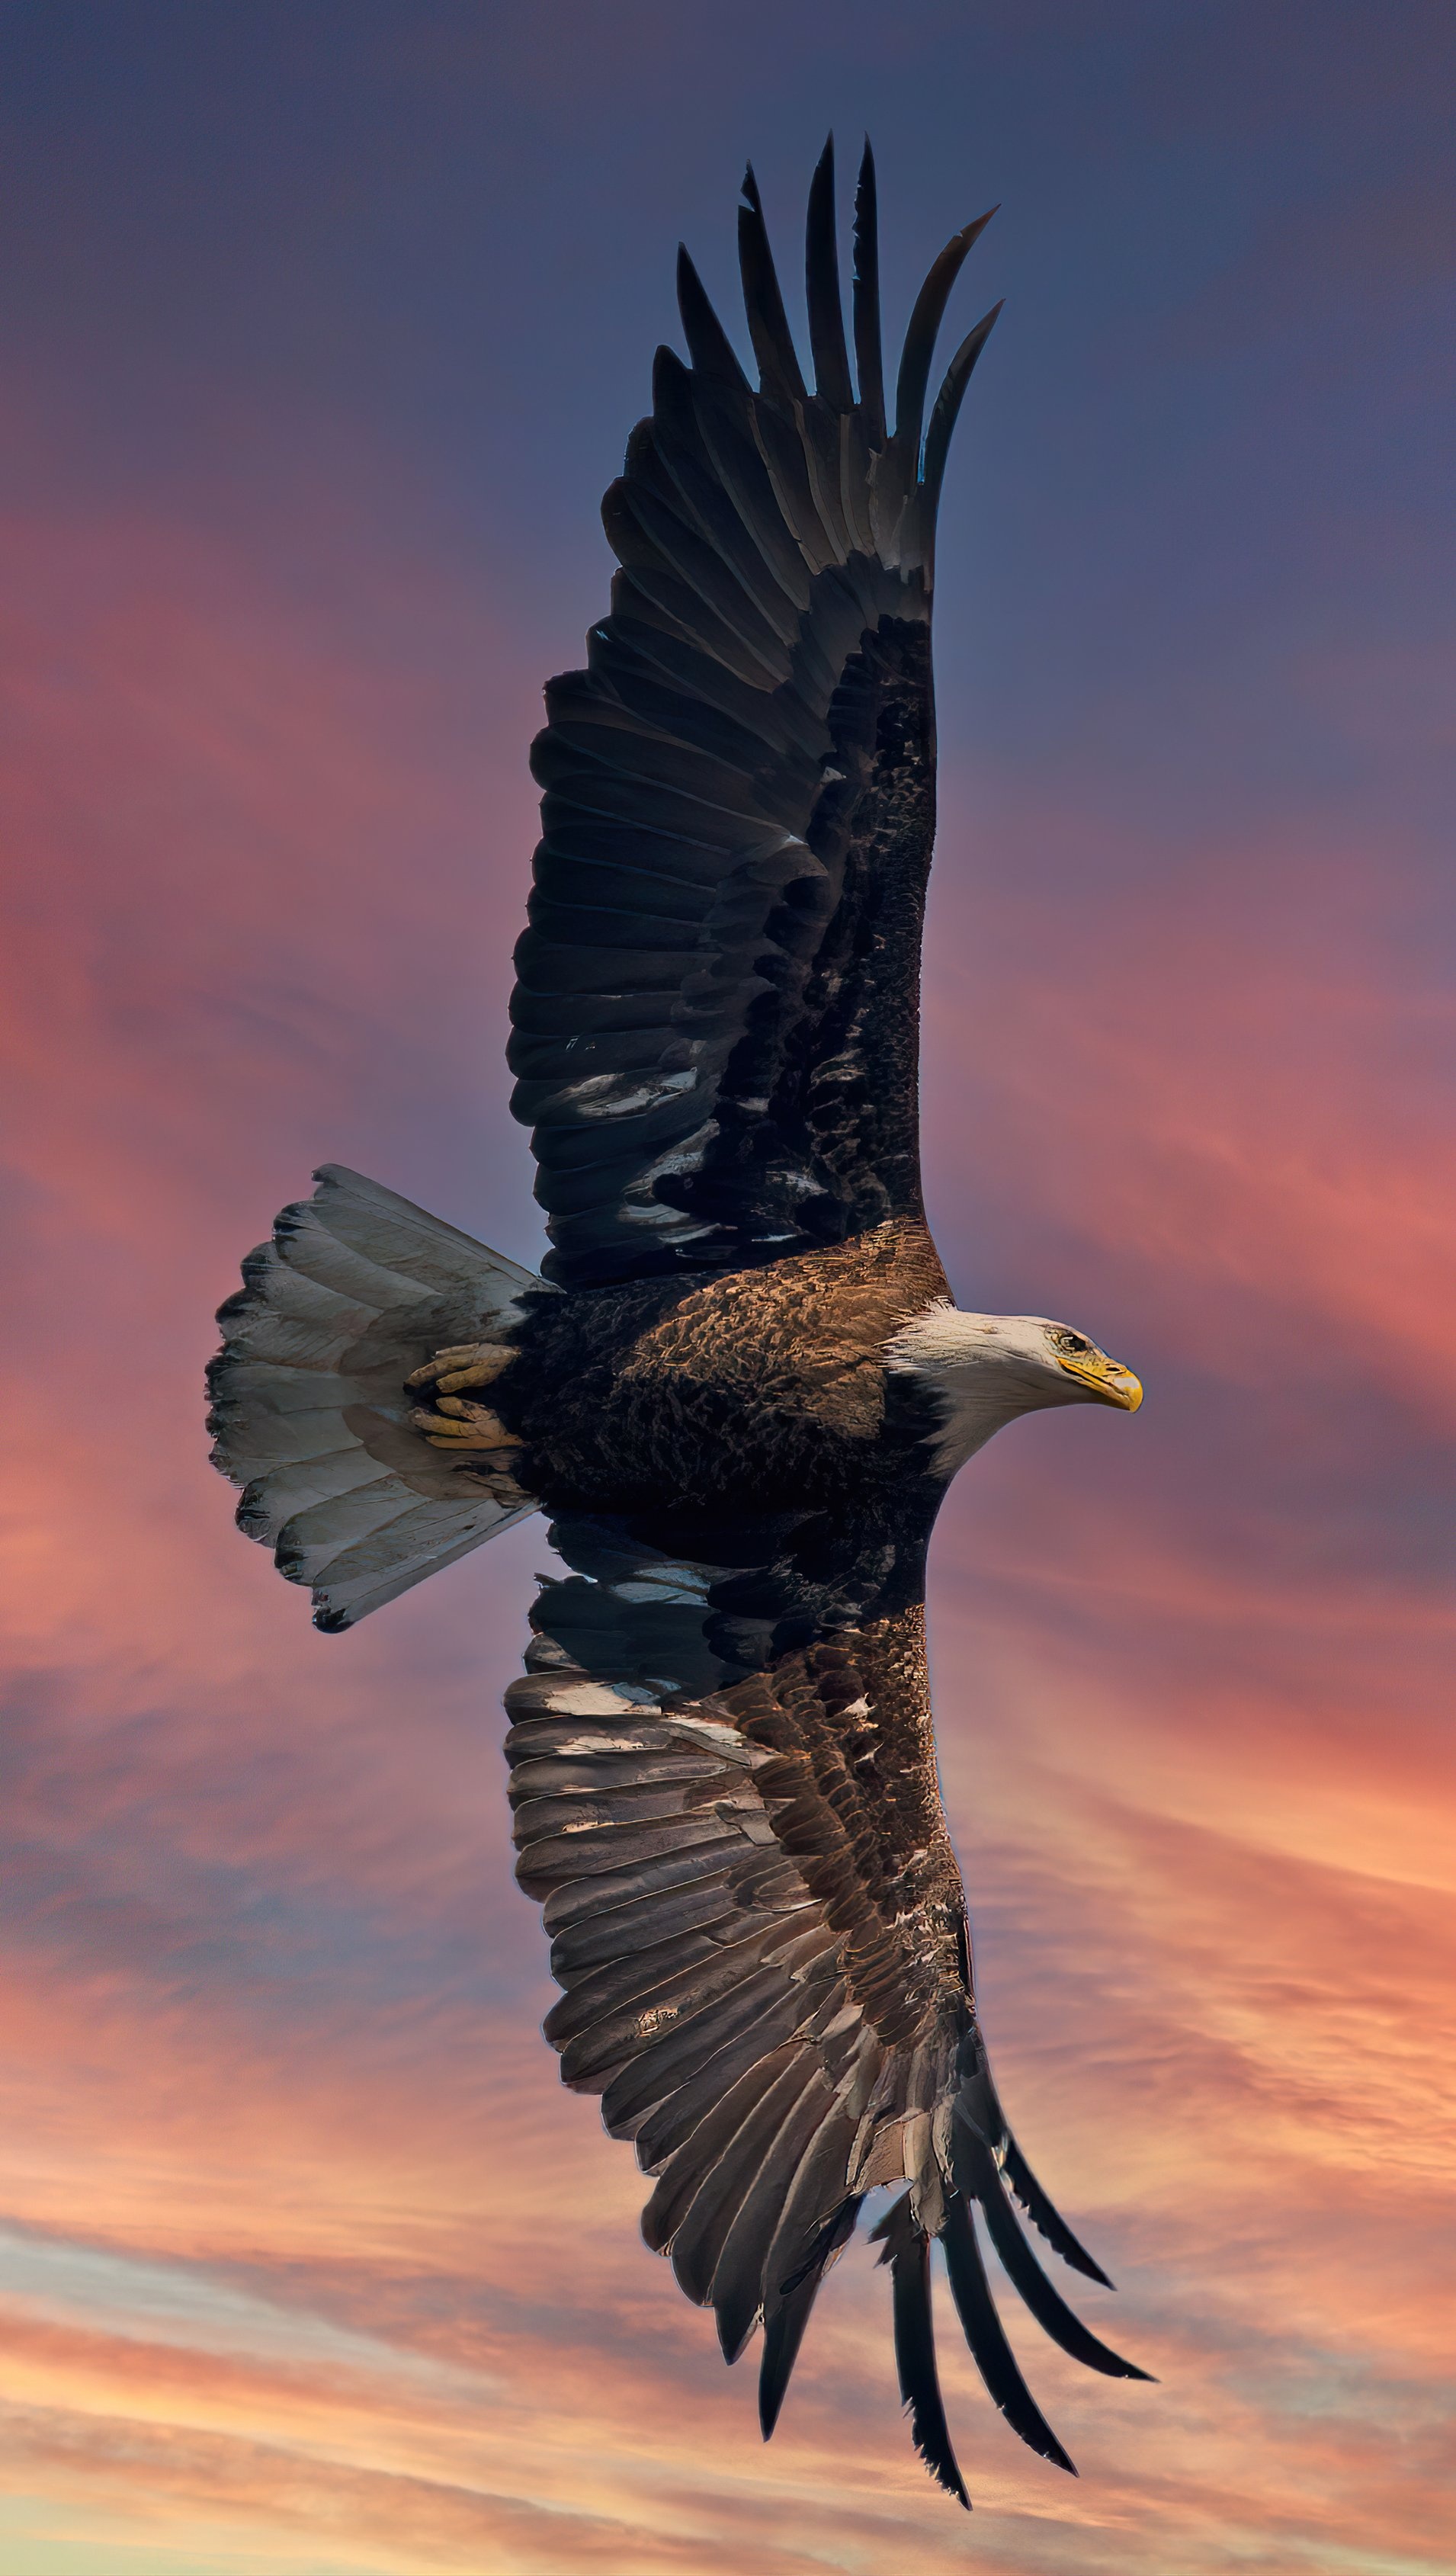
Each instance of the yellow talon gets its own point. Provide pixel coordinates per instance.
(458, 1425)
(487, 1364)
(463, 1364)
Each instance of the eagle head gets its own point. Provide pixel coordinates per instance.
(979, 1372)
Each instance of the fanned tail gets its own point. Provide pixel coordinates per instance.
(309, 1409)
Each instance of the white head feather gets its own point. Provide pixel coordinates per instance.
(984, 1370)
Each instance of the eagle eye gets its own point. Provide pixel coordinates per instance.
(1074, 1342)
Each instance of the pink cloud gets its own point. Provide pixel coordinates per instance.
(269, 2020)
(1226, 1082)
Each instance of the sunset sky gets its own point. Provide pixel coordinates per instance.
(324, 325)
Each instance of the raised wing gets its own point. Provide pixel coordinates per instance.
(715, 1026)
(725, 1794)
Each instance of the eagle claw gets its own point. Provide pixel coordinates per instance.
(456, 1425)
(462, 1364)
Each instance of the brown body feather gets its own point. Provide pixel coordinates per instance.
(753, 1385)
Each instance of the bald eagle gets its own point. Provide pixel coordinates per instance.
(739, 1388)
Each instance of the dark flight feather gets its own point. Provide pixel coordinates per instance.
(662, 1872)
(610, 1849)
(648, 2079)
(826, 308)
(708, 343)
(976, 2171)
(817, 2221)
(1047, 2219)
(680, 2000)
(740, 2288)
(706, 2225)
(907, 2251)
(707, 2141)
(674, 2122)
(593, 1994)
(948, 403)
(986, 2335)
(670, 456)
(780, 376)
(613, 1938)
(868, 353)
(782, 2340)
(920, 339)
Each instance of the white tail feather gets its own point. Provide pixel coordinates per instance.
(309, 1410)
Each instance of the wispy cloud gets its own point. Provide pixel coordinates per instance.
(307, 2263)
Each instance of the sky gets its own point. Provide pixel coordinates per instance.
(324, 328)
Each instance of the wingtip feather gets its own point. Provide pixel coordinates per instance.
(907, 2251)
(948, 401)
(709, 346)
(868, 352)
(780, 376)
(1047, 2219)
(920, 338)
(986, 2337)
(821, 273)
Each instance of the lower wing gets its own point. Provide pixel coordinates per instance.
(760, 1930)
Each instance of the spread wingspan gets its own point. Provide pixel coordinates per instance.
(722, 1761)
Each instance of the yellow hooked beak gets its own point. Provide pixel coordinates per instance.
(1106, 1379)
